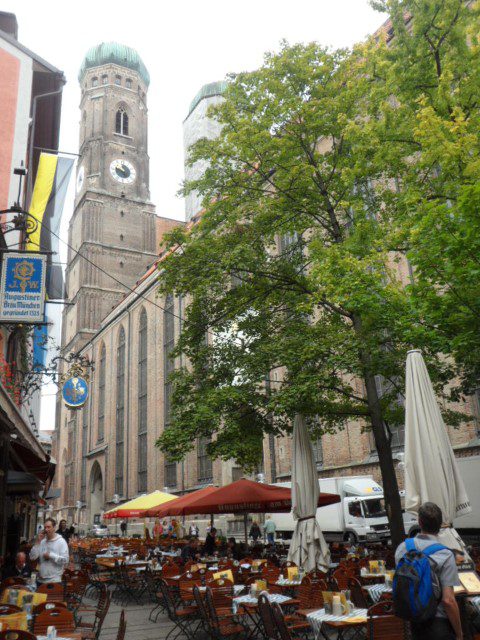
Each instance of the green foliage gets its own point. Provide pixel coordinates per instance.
(291, 269)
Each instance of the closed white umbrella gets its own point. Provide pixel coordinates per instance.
(431, 471)
(308, 548)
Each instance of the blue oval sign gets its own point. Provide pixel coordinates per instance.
(75, 392)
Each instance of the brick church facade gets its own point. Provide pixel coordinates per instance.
(106, 451)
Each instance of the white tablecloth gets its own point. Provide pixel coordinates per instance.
(317, 618)
(375, 591)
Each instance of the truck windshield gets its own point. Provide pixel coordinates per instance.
(374, 508)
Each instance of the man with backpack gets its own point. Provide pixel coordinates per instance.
(424, 579)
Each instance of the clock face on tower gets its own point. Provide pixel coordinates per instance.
(123, 171)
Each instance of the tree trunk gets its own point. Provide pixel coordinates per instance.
(389, 479)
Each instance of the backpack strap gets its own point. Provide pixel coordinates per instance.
(433, 548)
(410, 545)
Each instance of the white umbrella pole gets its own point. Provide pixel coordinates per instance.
(245, 524)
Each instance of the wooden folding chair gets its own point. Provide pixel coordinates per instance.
(382, 624)
(54, 590)
(58, 617)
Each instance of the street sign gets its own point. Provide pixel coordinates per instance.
(75, 392)
(22, 288)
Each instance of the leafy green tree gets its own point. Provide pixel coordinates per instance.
(293, 266)
(427, 138)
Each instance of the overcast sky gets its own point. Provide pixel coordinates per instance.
(184, 44)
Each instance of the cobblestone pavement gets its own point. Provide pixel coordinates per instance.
(139, 626)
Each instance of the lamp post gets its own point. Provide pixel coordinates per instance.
(116, 500)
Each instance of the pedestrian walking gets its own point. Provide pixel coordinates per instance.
(270, 527)
(436, 617)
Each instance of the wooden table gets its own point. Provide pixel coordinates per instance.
(340, 626)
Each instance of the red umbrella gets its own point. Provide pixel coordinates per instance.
(245, 496)
(179, 509)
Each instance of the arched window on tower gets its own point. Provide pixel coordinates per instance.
(121, 122)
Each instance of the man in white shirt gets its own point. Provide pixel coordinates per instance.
(51, 551)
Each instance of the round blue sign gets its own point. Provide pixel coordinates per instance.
(75, 392)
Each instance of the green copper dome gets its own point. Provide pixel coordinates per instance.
(208, 91)
(113, 52)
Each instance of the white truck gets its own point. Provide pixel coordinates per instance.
(360, 516)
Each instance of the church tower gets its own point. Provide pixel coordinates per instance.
(113, 223)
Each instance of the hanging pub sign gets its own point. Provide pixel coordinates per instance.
(22, 288)
(75, 392)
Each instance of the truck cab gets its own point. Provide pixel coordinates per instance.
(365, 519)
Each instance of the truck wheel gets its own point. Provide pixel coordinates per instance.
(350, 537)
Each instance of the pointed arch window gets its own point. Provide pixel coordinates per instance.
(169, 365)
(121, 121)
(101, 395)
(120, 413)
(142, 402)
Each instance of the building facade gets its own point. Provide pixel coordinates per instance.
(107, 451)
(31, 90)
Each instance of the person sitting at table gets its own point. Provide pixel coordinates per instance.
(191, 550)
(51, 551)
(18, 568)
(210, 546)
(233, 550)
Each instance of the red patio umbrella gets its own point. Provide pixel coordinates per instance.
(177, 507)
(245, 496)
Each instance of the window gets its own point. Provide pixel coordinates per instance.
(170, 474)
(118, 80)
(104, 79)
(121, 122)
(83, 481)
(94, 82)
(101, 395)
(318, 451)
(128, 83)
(168, 367)
(355, 509)
(120, 413)
(204, 461)
(142, 402)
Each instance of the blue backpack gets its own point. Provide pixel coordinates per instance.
(413, 584)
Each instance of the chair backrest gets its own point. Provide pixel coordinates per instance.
(185, 586)
(382, 624)
(222, 592)
(168, 601)
(266, 616)
(48, 606)
(342, 576)
(359, 597)
(211, 612)
(7, 609)
(280, 624)
(122, 626)
(54, 591)
(16, 634)
(59, 617)
(13, 580)
(202, 609)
